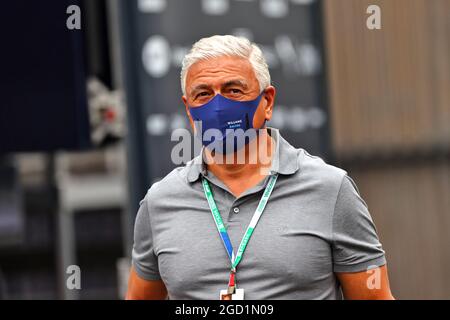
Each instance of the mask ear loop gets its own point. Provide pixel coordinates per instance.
(265, 120)
(247, 117)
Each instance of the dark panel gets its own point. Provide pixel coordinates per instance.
(42, 80)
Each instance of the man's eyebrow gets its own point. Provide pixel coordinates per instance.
(235, 83)
(199, 87)
(226, 84)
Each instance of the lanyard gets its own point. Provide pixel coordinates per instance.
(248, 233)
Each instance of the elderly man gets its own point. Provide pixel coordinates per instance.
(283, 226)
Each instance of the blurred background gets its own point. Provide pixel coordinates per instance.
(86, 116)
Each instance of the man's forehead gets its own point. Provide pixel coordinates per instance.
(221, 67)
(220, 72)
(228, 62)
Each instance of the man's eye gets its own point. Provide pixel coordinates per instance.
(235, 91)
(201, 94)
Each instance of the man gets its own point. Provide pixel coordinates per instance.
(286, 226)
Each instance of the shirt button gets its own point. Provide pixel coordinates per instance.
(236, 210)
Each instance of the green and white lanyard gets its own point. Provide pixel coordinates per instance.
(235, 259)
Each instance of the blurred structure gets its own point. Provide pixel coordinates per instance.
(63, 202)
(390, 108)
(157, 35)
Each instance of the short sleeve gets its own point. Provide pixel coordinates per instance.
(355, 242)
(145, 262)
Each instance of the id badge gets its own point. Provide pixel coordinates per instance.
(238, 295)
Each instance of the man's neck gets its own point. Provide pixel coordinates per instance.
(238, 176)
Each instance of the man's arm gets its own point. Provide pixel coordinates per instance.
(141, 285)
(140, 289)
(366, 285)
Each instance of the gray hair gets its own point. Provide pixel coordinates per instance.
(227, 45)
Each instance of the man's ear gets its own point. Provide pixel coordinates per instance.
(269, 96)
(186, 105)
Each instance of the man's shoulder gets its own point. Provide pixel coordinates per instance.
(314, 168)
(173, 184)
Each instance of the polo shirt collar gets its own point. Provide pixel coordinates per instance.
(285, 161)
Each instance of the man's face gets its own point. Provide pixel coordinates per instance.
(232, 77)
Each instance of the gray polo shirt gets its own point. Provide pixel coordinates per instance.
(315, 224)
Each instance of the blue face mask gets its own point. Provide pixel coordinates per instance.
(224, 114)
